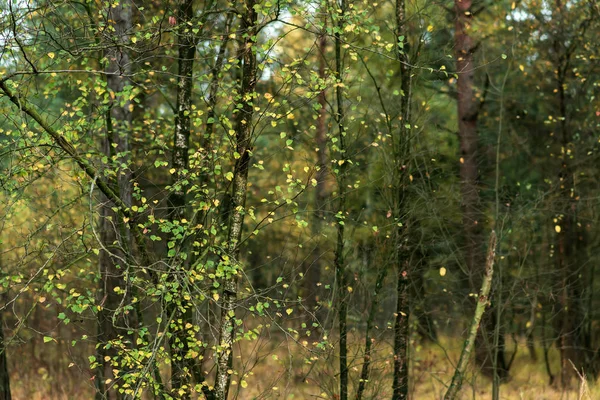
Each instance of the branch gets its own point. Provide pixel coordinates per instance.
(88, 168)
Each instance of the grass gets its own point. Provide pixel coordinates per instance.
(279, 367)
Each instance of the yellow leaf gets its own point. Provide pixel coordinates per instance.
(216, 296)
(51, 55)
(557, 228)
(521, 67)
(442, 271)
(244, 384)
(289, 311)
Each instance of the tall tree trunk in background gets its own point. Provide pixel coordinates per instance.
(340, 273)
(312, 272)
(570, 322)
(243, 141)
(401, 257)
(114, 233)
(472, 214)
(181, 314)
(4, 374)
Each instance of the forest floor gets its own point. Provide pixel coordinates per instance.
(279, 367)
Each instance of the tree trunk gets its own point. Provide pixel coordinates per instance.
(468, 110)
(340, 273)
(365, 371)
(243, 140)
(401, 258)
(312, 271)
(114, 233)
(181, 367)
(4, 375)
(482, 303)
(570, 326)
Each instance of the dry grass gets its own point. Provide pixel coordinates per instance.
(279, 367)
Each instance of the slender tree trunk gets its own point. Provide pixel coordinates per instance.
(312, 271)
(482, 303)
(570, 311)
(340, 273)
(182, 367)
(401, 258)
(115, 236)
(211, 115)
(365, 371)
(5, 393)
(468, 110)
(243, 142)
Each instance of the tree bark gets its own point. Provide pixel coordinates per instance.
(5, 393)
(182, 367)
(401, 258)
(114, 233)
(472, 215)
(312, 271)
(340, 273)
(570, 326)
(243, 140)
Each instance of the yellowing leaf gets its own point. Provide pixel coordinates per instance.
(51, 55)
(289, 311)
(443, 271)
(216, 296)
(557, 228)
(244, 384)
